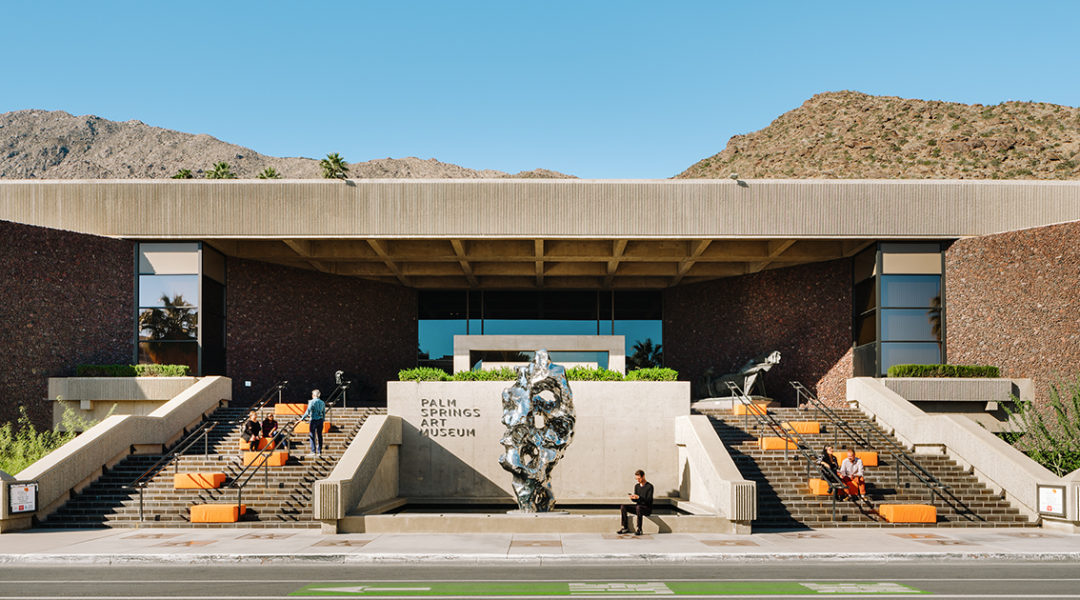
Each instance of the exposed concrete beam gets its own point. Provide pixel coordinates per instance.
(618, 248)
(538, 252)
(853, 247)
(694, 252)
(459, 250)
(303, 249)
(380, 248)
(776, 248)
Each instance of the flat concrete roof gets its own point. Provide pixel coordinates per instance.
(520, 233)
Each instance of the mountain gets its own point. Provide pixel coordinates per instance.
(850, 135)
(38, 144)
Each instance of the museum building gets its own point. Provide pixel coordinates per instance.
(269, 280)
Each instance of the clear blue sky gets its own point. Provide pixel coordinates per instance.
(596, 89)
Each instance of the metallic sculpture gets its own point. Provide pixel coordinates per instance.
(538, 430)
(748, 377)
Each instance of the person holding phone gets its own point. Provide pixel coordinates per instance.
(642, 506)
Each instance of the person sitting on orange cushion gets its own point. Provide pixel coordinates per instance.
(851, 472)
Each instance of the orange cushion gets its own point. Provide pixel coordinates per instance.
(908, 513)
(263, 443)
(807, 427)
(217, 513)
(198, 481)
(743, 409)
(276, 459)
(819, 487)
(775, 443)
(290, 409)
(869, 457)
(305, 427)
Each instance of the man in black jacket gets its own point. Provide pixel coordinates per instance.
(642, 506)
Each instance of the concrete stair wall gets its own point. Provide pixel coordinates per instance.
(281, 498)
(784, 499)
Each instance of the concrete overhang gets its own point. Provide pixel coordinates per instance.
(527, 233)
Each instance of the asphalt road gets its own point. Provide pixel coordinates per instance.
(957, 579)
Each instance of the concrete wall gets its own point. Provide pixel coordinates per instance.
(1013, 300)
(94, 398)
(286, 323)
(65, 299)
(621, 427)
(804, 312)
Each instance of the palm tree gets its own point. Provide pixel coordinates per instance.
(183, 174)
(269, 173)
(646, 355)
(221, 170)
(334, 167)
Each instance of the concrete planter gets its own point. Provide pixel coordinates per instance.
(980, 398)
(94, 397)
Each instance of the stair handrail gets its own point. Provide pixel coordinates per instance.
(900, 456)
(339, 393)
(763, 418)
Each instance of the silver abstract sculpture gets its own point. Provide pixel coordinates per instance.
(538, 430)
(748, 377)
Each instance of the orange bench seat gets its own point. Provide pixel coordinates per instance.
(806, 427)
(290, 409)
(819, 487)
(304, 427)
(749, 409)
(869, 458)
(276, 459)
(263, 444)
(908, 513)
(198, 481)
(217, 513)
(775, 443)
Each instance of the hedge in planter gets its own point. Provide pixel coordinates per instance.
(132, 371)
(943, 371)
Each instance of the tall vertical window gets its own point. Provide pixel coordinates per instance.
(180, 315)
(899, 313)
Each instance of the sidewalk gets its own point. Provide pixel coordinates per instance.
(193, 546)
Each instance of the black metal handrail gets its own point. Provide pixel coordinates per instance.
(201, 431)
(900, 457)
(764, 419)
(241, 479)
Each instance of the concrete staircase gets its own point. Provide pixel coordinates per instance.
(281, 497)
(784, 499)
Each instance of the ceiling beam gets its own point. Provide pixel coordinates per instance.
(302, 248)
(380, 248)
(538, 252)
(459, 250)
(776, 248)
(693, 253)
(853, 247)
(618, 248)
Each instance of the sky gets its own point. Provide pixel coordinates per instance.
(611, 90)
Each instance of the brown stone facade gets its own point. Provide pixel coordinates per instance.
(1013, 301)
(287, 323)
(804, 312)
(65, 299)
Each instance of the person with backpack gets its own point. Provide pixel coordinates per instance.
(316, 412)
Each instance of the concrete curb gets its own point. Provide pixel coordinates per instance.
(530, 559)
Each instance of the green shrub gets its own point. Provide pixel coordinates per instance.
(943, 371)
(21, 444)
(423, 374)
(132, 371)
(653, 374)
(592, 374)
(1050, 436)
(500, 374)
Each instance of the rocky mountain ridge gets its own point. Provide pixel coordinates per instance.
(851, 135)
(39, 144)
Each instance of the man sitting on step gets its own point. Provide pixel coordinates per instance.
(642, 506)
(851, 472)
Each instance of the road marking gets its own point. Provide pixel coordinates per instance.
(621, 589)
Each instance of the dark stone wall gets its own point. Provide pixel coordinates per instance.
(287, 323)
(65, 299)
(804, 312)
(1013, 301)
